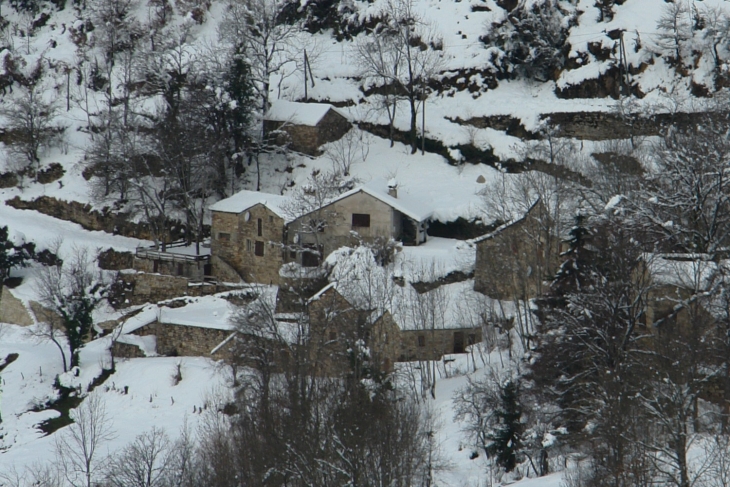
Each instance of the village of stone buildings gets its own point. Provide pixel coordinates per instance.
(331, 270)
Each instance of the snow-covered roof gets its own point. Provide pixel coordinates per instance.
(299, 113)
(688, 271)
(413, 205)
(505, 226)
(243, 200)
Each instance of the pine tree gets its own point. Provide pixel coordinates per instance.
(12, 255)
(506, 436)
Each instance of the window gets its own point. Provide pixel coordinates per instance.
(293, 254)
(259, 250)
(156, 266)
(421, 340)
(361, 220)
(271, 219)
(260, 229)
(248, 245)
(180, 269)
(224, 237)
(333, 336)
(472, 339)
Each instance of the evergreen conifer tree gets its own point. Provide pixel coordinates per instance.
(506, 436)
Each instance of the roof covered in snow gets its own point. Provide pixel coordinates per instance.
(414, 205)
(506, 225)
(243, 200)
(299, 113)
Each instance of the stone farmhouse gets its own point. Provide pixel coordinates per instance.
(254, 234)
(304, 127)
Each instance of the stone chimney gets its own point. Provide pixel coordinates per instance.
(393, 188)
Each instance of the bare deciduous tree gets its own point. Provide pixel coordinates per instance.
(78, 454)
(401, 57)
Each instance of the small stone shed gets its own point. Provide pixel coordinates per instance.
(184, 327)
(248, 231)
(304, 127)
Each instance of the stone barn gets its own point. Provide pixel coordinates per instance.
(304, 127)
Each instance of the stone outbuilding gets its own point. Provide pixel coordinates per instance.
(304, 127)
(513, 261)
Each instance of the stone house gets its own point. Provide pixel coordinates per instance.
(304, 127)
(253, 234)
(248, 231)
(396, 332)
(366, 213)
(187, 327)
(513, 261)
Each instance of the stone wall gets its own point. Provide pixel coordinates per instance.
(181, 340)
(135, 288)
(434, 344)
(12, 309)
(84, 215)
(126, 350)
(176, 267)
(141, 288)
(332, 127)
(235, 237)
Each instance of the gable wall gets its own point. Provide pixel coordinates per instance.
(384, 222)
(235, 250)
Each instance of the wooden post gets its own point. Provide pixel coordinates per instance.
(305, 76)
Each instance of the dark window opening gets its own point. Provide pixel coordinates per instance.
(333, 336)
(225, 237)
(293, 254)
(271, 219)
(259, 249)
(180, 269)
(361, 220)
(156, 266)
(310, 256)
(260, 228)
(421, 340)
(458, 342)
(248, 245)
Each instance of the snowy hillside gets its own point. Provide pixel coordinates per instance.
(122, 121)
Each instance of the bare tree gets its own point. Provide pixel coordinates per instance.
(402, 55)
(143, 463)
(351, 148)
(31, 120)
(674, 29)
(254, 28)
(78, 446)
